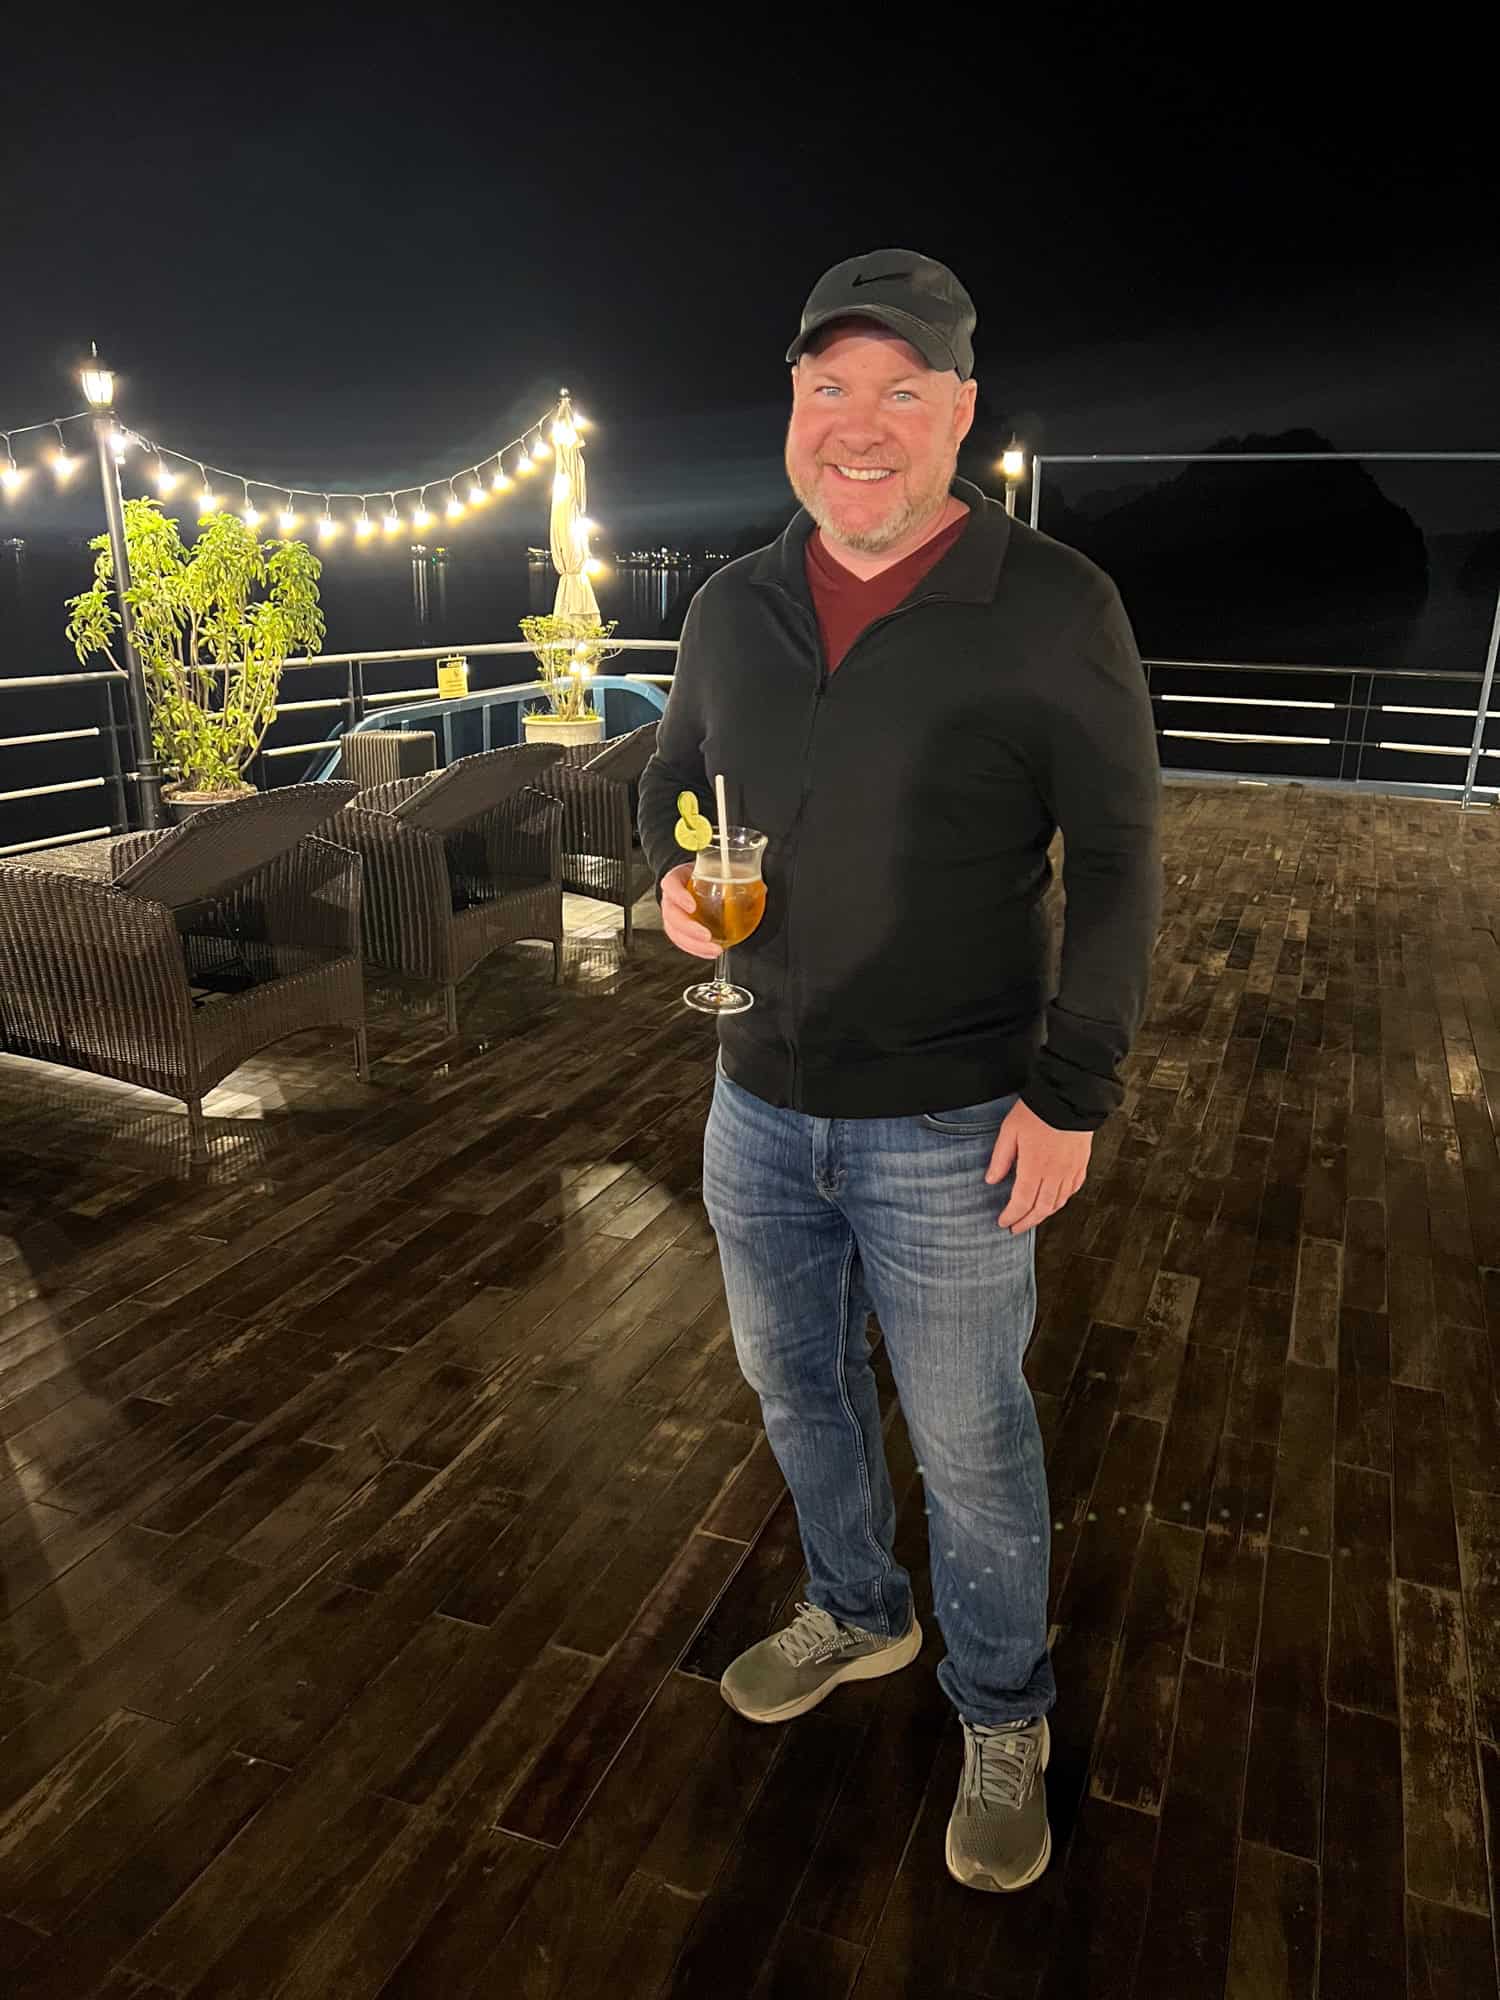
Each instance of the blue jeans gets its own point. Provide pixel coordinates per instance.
(818, 1220)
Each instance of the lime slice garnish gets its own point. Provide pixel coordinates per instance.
(687, 805)
(693, 833)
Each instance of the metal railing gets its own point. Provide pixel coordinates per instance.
(1481, 754)
(1351, 726)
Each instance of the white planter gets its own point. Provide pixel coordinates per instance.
(552, 729)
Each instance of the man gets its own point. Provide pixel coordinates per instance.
(908, 693)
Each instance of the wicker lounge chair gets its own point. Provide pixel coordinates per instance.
(457, 865)
(375, 756)
(597, 789)
(208, 942)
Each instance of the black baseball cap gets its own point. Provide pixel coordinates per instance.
(912, 295)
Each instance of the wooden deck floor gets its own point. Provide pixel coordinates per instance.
(381, 1502)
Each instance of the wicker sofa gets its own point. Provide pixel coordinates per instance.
(458, 864)
(194, 948)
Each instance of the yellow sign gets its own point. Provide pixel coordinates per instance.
(453, 677)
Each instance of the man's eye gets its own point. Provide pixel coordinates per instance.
(828, 389)
(904, 396)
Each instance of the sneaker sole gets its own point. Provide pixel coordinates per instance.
(987, 1883)
(873, 1667)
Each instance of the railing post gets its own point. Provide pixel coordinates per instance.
(120, 814)
(1486, 690)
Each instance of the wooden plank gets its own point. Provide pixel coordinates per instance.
(1302, 1516)
(1445, 1846)
(1363, 1941)
(1426, 1539)
(1361, 1643)
(1184, 1480)
(1186, 1942)
(1479, 1547)
(1450, 1954)
(1315, 1310)
(1273, 1953)
(1364, 1400)
(1284, 1776)
(1226, 1611)
(1136, 1736)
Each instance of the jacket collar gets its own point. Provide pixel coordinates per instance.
(969, 573)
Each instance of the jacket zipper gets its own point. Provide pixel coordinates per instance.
(824, 677)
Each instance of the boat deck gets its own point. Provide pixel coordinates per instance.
(381, 1501)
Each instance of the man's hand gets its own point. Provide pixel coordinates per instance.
(679, 915)
(1051, 1167)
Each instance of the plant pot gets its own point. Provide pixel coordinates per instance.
(553, 729)
(181, 805)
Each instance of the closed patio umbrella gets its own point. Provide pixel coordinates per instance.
(570, 536)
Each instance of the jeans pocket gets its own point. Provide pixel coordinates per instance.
(971, 1121)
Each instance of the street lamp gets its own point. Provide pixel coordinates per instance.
(1013, 465)
(99, 390)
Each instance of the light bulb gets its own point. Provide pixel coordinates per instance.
(327, 528)
(165, 480)
(477, 495)
(541, 449)
(119, 444)
(563, 432)
(421, 518)
(251, 516)
(1013, 461)
(593, 567)
(208, 501)
(63, 466)
(13, 478)
(455, 507)
(523, 464)
(392, 521)
(364, 527)
(586, 526)
(286, 520)
(501, 481)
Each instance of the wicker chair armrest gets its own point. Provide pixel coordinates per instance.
(394, 792)
(307, 897)
(82, 964)
(131, 846)
(524, 835)
(596, 810)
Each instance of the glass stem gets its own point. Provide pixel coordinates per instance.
(721, 971)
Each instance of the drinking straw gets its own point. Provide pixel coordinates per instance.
(723, 825)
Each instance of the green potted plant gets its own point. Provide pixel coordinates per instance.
(214, 625)
(569, 649)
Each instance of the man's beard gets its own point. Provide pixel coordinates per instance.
(874, 541)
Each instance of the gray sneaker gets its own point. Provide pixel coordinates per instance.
(794, 1669)
(998, 1836)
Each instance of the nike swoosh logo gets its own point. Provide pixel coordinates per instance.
(879, 277)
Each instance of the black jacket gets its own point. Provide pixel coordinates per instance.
(903, 962)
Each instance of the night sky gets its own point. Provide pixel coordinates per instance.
(358, 250)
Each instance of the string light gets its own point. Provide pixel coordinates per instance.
(167, 470)
(63, 465)
(593, 567)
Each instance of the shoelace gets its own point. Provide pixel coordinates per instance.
(1000, 1767)
(813, 1635)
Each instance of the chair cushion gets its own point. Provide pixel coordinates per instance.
(473, 786)
(625, 757)
(208, 854)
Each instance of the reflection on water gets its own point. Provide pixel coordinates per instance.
(647, 599)
(429, 584)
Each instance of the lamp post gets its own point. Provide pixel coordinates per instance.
(99, 391)
(1013, 465)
